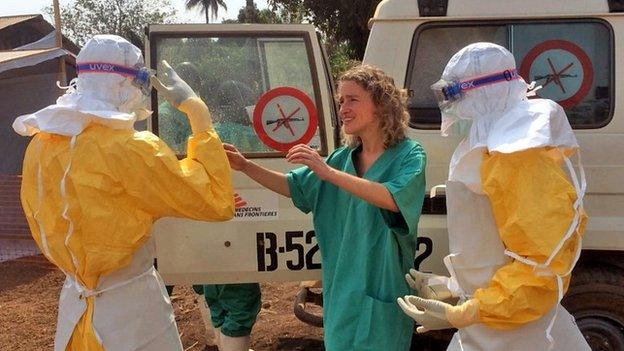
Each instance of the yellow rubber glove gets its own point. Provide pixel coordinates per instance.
(198, 114)
(429, 286)
(436, 315)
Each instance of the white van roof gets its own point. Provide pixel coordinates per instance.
(405, 9)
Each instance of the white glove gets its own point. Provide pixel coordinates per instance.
(427, 321)
(181, 96)
(174, 89)
(429, 286)
(436, 315)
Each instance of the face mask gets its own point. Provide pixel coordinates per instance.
(457, 127)
(135, 102)
(461, 127)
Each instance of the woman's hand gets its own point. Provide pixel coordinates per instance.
(369, 191)
(239, 202)
(238, 162)
(272, 180)
(305, 155)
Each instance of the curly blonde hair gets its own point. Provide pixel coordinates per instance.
(390, 104)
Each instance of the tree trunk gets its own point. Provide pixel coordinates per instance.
(119, 18)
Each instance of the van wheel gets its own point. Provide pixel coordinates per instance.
(596, 299)
(601, 335)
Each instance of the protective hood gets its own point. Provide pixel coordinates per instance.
(503, 119)
(485, 103)
(96, 95)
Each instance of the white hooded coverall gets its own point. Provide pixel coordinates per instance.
(515, 213)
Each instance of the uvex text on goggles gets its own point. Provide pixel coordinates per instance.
(140, 75)
(447, 92)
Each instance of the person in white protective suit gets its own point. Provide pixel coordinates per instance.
(92, 187)
(515, 213)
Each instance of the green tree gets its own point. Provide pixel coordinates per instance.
(341, 54)
(341, 20)
(340, 57)
(82, 19)
(209, 7)
(250, 13)
(276, 14)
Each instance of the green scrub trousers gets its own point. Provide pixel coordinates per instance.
(233, 307)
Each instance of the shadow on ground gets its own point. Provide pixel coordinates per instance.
(22, 271)
(432, 341)
(299, 344)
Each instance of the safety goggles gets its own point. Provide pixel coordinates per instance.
(447, 92)
(140, 74)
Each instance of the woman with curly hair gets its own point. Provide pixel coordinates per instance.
(366, 199)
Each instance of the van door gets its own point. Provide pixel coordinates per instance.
(267, 89)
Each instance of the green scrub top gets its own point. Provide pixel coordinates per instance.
(365, 250)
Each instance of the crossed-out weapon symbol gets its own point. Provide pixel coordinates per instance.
(556, 76)
(285, 120)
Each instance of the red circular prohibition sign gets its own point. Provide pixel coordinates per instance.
(588, 71)
(262, 104)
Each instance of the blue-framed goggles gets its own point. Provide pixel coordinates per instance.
(140, 74)
(446, 92)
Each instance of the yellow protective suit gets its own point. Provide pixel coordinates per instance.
(91, 201)
(532, 202)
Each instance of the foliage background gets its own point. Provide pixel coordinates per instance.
(343, 21)
(82, 19)
(344, 36)
(343, 25)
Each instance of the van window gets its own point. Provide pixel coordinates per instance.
(572, 61)
(232, 74)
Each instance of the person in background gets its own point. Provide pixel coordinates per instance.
(173, 125)
(231, 120)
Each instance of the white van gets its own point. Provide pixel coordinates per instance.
(570, 47)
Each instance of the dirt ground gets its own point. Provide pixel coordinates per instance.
(30, 286)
